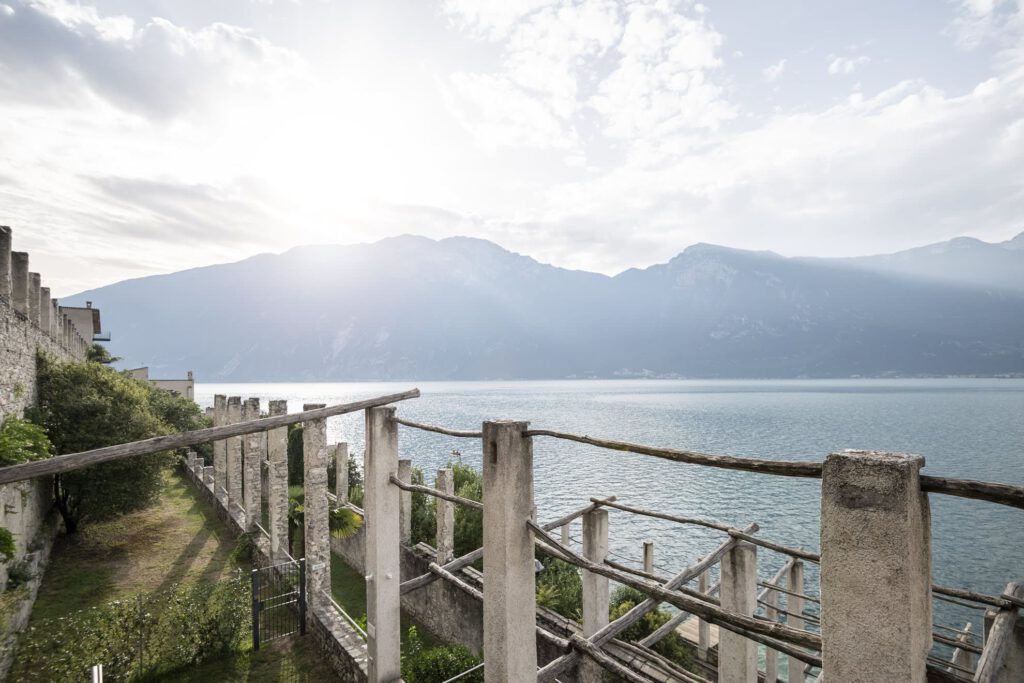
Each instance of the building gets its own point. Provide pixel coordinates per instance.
(86, 321)
(184, 387)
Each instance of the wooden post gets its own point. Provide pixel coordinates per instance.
(737, 656)
(234, 462)
(649, 557)
(277, 480)
(703, 628)
(316, 520)
(253, 484)
(595, 588)
(510, 617)
(380, 505)
(876, 602)
(341, 473)
(795, 604)
(220, 449)
(445, 517)
(405, 502)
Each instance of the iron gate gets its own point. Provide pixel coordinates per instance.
(278, 601)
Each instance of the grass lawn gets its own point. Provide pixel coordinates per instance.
(177, 540)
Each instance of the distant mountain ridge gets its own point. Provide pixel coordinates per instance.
(413, 308)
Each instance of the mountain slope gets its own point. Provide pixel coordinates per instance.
(459, 308)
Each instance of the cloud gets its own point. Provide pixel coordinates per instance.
(845, 65)
(774, 72)
(572, 75)
(57, 52)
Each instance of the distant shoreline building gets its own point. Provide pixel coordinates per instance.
(86, 321)
(184, 387)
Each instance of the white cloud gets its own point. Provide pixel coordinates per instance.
(774, 72)
(845, 65)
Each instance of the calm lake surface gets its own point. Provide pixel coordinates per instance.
(966, 428)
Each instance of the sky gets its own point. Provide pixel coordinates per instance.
(149, 136)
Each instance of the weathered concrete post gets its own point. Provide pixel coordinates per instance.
(876, 616)
(795, 604)
(737, 656)
(209, 478)
(341, 473)
(316, 519)
(649, 557)
(380, 503)
(961, 657)
(771, 657)
(277, 478)
(445, 514)
(566, 534)
(34, 283)
(405, 503)
(1002, 660)
(595, 588)
(510, 610)
(5, 262)
(220, 449)
(234, 462)
(252, 483)
(45, 310)
(703, 628)
(190, 458)
(19, 281)
(55, 326)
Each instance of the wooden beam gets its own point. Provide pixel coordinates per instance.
(74, 461)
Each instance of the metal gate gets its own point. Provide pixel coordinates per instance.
(278, 601)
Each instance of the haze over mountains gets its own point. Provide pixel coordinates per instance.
(413, 308)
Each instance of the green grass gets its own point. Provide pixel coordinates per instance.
(177, 540)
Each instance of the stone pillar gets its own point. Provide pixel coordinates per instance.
(190, 458)
(341, 473)
(510, 616)
(220, 449)
(737, 656)
(566, 534)
(252, 483)
(595, 588)
(55, 325)
(277, 479)
(876, 618)
(208, 478)
(316, 519)
(445, 514)
(380, 503)
(1002, 660)
(5, 263)
(405, 503)
(649, 557)
(45, 310)
(703, 628)
(795, 604)
(19, 281)
(34, 283)
(234, 460)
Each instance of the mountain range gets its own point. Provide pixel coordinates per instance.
(413, 308)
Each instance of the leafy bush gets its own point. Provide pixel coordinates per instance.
(344, 522)
(438, 664)
(6, 545)
(671, 646)
(88, 405)
(22, 441)
(559, 587)
(177, 628)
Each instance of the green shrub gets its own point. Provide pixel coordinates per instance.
(671, 646)
(438, 664)
(344, 522)
(22, 441)
(6, 544)
(560, 588)
(177, 628)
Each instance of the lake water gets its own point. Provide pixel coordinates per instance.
(965, 428)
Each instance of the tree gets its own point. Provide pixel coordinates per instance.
(88, 405)
(672, 646)
(99, 354)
